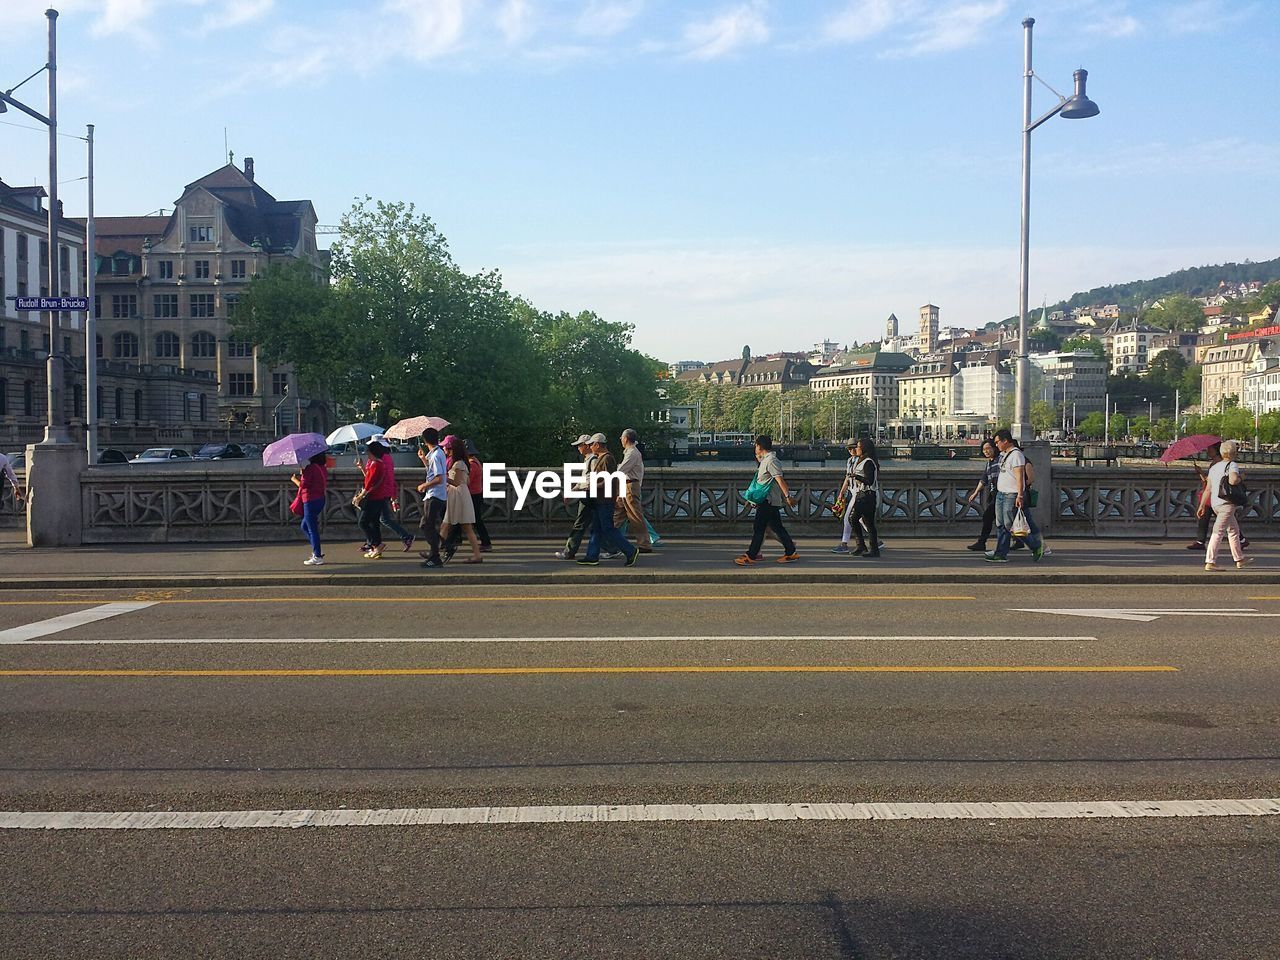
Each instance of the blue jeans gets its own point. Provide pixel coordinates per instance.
(391, 523)
(311, 511)
(604, 534)
(1006, 510)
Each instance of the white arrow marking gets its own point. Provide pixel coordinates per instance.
(68, 621)
(1144, 614)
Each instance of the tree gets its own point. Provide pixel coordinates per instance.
(1072, 344)
(1044, 416)
(1189, 388)
(1167, 369)
(1176, 312)
(1092, 426)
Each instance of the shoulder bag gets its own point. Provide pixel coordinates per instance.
(758, 493)
(1235, 493)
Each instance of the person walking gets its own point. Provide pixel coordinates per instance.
(866, 499)
(312, 482)
(434, 492)
(986, 489)
(629, 509)
(1205, 518)
(1223, 476)
(460, 512)
(583, 517)
(846, 494)
(475, 489)
(392, 491)
(6, 473)
(769, 511)
(1012, 484)
(604, 534)
(375, 495)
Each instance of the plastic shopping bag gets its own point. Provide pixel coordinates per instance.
(1020, 528)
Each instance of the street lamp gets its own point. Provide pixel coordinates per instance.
(55, 428)
(1076, 107)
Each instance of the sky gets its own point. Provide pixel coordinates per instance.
(762, 172)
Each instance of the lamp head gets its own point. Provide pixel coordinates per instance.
(1078, 105)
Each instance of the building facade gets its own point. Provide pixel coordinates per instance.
(1260, 389)
(167, 289)
(1225, 365)
(981, 382)
(776, 376)
(1075, 380)
(928, 328)
(874, 376)
(1129, 346)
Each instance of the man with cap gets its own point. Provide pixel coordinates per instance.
(605, 535)
(583, 518)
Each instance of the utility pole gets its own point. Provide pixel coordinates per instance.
(91, 324)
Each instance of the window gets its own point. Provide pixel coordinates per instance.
(64, 261)
(97, 306)
(120, 265)
(98, 352)
(166, 269)
(204, 344)
(22, 282)
(279, 384)
(233, 303)
(200, 231)
(124, 305)
(166, 306)
(22, 248)
(202, 269)
(239, 348)
(24, 339)
(124, 346)
(100, 407)
(237, 269)
(201, 305)
(44, 256)
(66, 346)
(241, 385)
(168, 346)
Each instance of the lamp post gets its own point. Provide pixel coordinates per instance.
(55, 427)
(1076, 107)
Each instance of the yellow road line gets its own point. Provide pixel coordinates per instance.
(531, 671)
(504, 599)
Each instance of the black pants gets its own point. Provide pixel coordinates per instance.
(769, 516)
(988, 522)
(864, 511)
(371, 520)
(432, 515)
(1204, 526)
(482, 532)
(581, 527)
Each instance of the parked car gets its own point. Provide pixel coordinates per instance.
(252, 451)
(111, 455)
(220, 451)
(161, 455)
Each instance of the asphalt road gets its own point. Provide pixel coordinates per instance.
(641, 695)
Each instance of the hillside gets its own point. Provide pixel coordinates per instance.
(1195, 281)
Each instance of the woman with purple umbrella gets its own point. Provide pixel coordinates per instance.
(311, 484)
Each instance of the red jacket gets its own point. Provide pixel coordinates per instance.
(375, 478)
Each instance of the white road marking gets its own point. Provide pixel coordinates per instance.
(1144, 615)
(68, 621)
(497, 640)
(633, 813)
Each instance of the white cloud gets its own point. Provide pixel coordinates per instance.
(863, 19)
(515, 20)
(739, 27)
(229, 14)
(950, 27)
(422, 29)
(602, 18)
(124, 16)
(1113, 25)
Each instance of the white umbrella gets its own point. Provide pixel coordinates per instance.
(353, 433)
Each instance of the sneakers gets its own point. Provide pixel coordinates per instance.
(747, 560)
(1198, 545)
(978, 545)
(587, 562)
(1037, 553)
(431, 563)
(609, 555)
(374, 554)
(994, 558)
(446, 554)
(1241, 564)
(313, 562)
(789, 558)
(635, 557)
(843, 548)
(563, 555)
(408, 544)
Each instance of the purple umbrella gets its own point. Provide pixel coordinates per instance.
(294, 449)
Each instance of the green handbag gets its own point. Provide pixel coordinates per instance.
(758, 493)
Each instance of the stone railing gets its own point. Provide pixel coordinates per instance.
(141, 504)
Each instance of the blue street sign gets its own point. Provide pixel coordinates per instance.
(54, 304)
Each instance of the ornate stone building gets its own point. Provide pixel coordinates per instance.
(167, 288)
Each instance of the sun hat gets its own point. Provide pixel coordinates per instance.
(585, 438)
(851, 442)
(599, 438)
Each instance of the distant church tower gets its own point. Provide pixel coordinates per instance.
(891, 326)
(928, 328)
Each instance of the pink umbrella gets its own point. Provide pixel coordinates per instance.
(1189, 447)
(412, 427)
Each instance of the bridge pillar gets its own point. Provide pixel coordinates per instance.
(1040, 456)
(53, 492)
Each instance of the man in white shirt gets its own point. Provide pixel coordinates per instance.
(629, 509)
(1011, 488)
(435, 494)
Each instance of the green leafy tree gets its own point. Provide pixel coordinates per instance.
(1044, 416)
(1092, 426)
(1073, 344)
(1167, 369)
(1176, 312)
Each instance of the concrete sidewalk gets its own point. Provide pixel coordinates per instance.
(689, 560)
